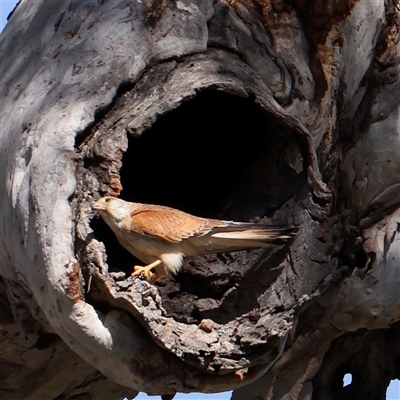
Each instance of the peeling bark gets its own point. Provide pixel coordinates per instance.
(281, 112)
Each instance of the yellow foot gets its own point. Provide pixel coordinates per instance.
(146, 271)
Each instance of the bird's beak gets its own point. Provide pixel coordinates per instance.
(99, 205)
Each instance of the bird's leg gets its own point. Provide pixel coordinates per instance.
(146, 271)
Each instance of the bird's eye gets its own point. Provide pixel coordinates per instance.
(107, 200)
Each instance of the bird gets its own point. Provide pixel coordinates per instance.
(161, 236)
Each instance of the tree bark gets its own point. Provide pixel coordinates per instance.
(281, 112)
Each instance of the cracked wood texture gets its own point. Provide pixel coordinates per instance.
(282, 112)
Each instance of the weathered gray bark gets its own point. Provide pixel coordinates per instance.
(286, 112)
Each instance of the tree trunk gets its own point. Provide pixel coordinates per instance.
(283, 112)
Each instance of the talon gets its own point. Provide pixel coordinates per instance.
(146, 271)
(142, 271)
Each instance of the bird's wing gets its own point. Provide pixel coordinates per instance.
(169, 224)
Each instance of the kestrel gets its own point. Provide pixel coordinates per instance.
(161, 236)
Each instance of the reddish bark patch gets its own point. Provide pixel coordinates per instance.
(318, 18)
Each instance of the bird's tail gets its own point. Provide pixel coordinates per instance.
(237, 236)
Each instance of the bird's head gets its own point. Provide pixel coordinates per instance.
(104, 203)
(112, 207)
